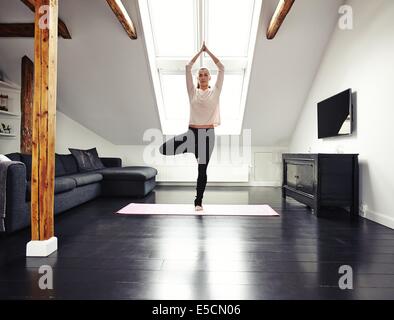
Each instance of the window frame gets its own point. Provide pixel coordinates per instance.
(176, 65)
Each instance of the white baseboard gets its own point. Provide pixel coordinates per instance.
(41, 248)
(378, 218)
(222, 184)
(265, 184)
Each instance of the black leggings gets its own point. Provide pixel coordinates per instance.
(199, 141)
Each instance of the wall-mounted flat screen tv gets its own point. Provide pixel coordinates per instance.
(334, 115)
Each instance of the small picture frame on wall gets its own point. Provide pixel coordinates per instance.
(3, 102)
(5, 128)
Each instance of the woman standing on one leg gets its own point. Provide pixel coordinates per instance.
(204, 117)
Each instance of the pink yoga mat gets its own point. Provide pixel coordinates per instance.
(209, 209)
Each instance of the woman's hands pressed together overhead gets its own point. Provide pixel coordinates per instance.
(205, 49)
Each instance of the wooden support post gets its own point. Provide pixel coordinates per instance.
(63, 30)
(44, 117)
(27, 105)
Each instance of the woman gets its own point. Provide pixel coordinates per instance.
(204, 117)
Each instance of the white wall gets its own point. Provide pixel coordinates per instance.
(71, 134)
(361, 59)
(11, 144)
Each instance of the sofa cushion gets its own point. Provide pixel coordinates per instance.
(27, 160)
(134, 173)
(88, 160)
(16, 156)
(69, 163)
(59, 167)
(82, 179)
(111, 162)
(62, 184)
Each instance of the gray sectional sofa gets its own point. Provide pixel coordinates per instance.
(72, 187)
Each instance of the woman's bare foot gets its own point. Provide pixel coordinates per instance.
(198, 208)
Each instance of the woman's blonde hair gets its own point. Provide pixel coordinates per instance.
(198, 82)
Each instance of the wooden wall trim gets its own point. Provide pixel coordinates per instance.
(27, 92)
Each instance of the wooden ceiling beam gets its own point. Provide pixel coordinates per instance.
(279, 16)
(30, 4)
(17, 30)
(63, 30)
(123, 17)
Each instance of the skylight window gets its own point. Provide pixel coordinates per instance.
(173, 27)
(229, 25)
(174, 31)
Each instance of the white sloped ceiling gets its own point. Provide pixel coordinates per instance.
(104, 81)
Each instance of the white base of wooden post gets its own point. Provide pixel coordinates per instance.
(43, 248)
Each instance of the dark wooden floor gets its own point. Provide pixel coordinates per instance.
(295, 256)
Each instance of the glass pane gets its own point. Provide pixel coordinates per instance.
(175, 98)
(230, 98)
(228, 27)
(173, 24)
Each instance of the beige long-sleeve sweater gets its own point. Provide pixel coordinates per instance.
(204, 104)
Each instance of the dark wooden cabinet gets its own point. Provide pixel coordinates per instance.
(322, 180)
